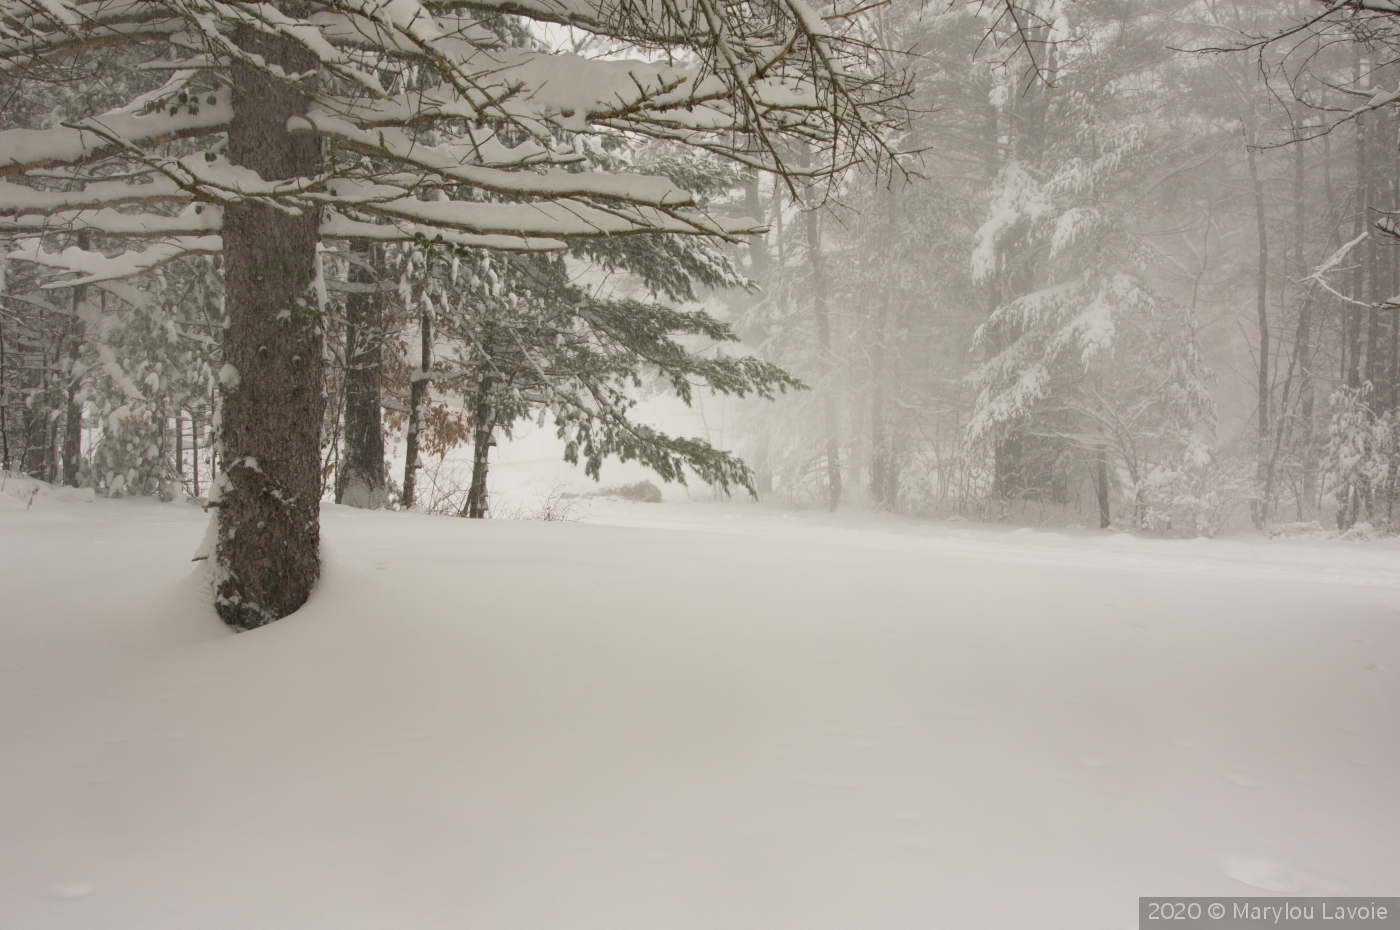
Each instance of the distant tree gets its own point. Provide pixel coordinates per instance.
(1084, 358)
(519, 340)
(1332, 67)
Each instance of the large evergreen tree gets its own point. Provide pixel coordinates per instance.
(272, 126)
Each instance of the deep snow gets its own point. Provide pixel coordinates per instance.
(687, 716)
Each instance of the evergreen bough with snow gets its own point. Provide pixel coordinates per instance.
(525, 341)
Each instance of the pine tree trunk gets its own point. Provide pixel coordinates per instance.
(417, 398)
(35, 457)
(268, 556)
(4, 405)
(758, 245)
(53, 467)
(1306, 388)
(1352, 325)
(362, 477)
(879, 441)
(1377, 156)
(829, 412)
(1261, 508)
(194, 454)
(73, 412)
(879, 451)
(1101, 485)
(484, 421)
(881, 478)
(763, 465)
(1395, 359)
(34, 420)
(758, 265)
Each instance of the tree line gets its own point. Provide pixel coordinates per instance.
(1146, 277)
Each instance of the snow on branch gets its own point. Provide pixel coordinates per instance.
(92, 267)
(16, 199)
(193, 221)
(134, 126)
(337, 226)
(544, 219)
(455, 162)
(436, 123)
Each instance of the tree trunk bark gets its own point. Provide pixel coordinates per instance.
(268, 555)
(882, 476)
(819, 307)
(4, 406)
(73, 412)
(879, 442)
(362, 477)
(1352, 322)
(1377, 157)
(32, 457)
(1101, 485)
(758, 245)
(53, 467)
(194, 454)
(1261, 509)
(417, 396)
(1306, 388)
(483, 423)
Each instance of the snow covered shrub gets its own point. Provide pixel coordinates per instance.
(1197, 494)
(442, 486)
(151, 360)
(643, 492)
(558, 506)
(1361, 453)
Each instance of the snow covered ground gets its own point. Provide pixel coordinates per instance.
(687, 716)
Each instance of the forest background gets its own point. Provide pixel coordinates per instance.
(1137, 270)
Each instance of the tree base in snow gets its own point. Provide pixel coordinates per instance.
(361, 494)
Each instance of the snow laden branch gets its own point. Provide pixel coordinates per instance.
(425, 110)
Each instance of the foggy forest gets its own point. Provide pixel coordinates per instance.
(698, 463)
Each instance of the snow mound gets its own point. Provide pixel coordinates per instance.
(23, 492)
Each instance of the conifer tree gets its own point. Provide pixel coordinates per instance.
(521, 340)
(271, 126)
